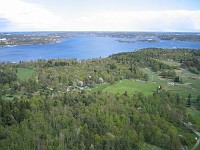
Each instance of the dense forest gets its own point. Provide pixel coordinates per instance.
(57, 108)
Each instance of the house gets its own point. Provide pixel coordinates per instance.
(170, 83)
(51, 89)
(79, 88)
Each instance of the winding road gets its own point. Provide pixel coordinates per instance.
(198, 141)
(196, 132)
(196, 145)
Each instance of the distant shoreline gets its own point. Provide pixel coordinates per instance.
(86, 45)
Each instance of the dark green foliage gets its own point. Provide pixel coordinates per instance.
(13, 112)
(168, 74)
(193, 64)
(189, 100)
(177, 79)
(150, 56)
(51, 111)
(198, 102)
(97, 120)
(193, 70)
(7, 76)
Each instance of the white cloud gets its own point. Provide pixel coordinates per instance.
(172, 20)
(28, 16)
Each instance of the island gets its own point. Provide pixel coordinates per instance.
(138, 41)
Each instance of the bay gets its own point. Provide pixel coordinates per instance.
(85, 47)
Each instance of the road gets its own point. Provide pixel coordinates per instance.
(198, 141)
(196, 132)
(196, 145)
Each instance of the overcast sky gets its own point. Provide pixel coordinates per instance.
(100, 15)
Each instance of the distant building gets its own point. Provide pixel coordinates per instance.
(101, 80)
(170, 83)
(51, 89)
(3, 39)
(79, 88)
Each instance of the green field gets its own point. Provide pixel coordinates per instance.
(24, 74)
(132, 87)
(195, 113)
(191, 84)
(100, 87)
(170, 63)
(7, 97)
(198, 147)
(128, 85)
(147, 146)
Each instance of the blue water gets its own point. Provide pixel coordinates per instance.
(84, 47)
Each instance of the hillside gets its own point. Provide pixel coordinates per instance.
(134, 100)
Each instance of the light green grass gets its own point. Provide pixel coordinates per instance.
(170, 63)
(195, 113)
(24, 74)
(198, 147)
(154, 76)
(147, 146)
(132, 87)
(7, 98)
(191, 82)
(100, 87)
(182, 89)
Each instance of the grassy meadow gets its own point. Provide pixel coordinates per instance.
(24, 74)
(190, 85)
(132, 87)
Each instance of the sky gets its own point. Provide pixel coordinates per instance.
(100, 15)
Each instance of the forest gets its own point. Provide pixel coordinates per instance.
(55, 103)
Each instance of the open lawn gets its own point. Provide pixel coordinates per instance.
(182, 89)
(128, 85)
(154, 76)
(7, 97)
(191, 82)
(147, 146)
(198, 147)
(171, 63)
(24, 73)
(100, 87)
(195, 113)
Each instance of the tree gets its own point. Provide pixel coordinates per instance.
(198, 102)
(146, 77)
(189, 100)
(125, 93)
(177, 79)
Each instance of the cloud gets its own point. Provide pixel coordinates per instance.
(28, 16)
(171, 20)
(23, 16)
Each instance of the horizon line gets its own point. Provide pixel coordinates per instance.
(101, 31)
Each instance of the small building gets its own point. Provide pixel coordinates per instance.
(3, 39)
(170, 83)
(101, 80)
(51, 89)
(79, 88)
